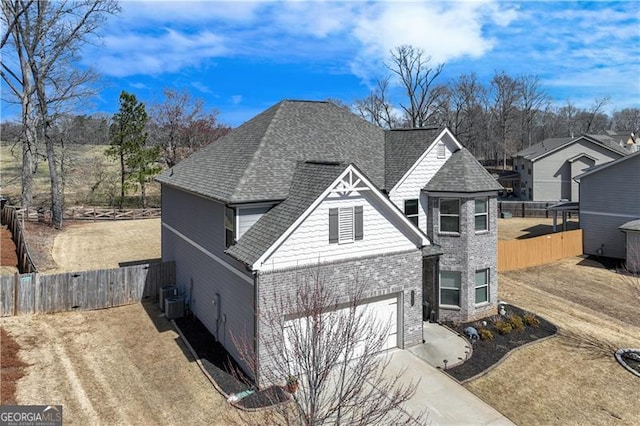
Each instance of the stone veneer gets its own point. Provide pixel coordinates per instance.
(391, 274)
(468, 252)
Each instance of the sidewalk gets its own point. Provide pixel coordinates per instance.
(441, 343)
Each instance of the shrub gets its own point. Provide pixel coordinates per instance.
(485, 334)
(503, 327)
(531, 320)
(516, 322)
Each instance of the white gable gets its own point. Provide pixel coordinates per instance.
(411, 184)
(385, 229)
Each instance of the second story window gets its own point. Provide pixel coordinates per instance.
(450, 215)
(411, 210)
(345, 225)
(442, 152)
(229, 226)
(482, 214)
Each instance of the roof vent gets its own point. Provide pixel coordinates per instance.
(323, 162)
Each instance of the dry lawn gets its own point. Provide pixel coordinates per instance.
(84, 246)
(116, 366)
(573, 378)
(510, 229)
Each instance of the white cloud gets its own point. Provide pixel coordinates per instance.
(164, 11)
(203, 88)
(318, 19)
(169, 51)
(444, 31)
(236, 99)
(139, 85)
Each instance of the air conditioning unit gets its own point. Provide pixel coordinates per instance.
(166, 291)
(174, 307)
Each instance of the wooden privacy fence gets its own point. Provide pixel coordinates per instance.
(10, 218)
(88, 290)
(519, 254)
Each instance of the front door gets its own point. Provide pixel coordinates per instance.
(430, 288)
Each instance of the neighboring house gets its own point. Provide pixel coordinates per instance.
(310, 188)
(632, 235)
(627, 139)
(609, 202)
(547, 169)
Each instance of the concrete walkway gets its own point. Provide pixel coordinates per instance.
(441, 344)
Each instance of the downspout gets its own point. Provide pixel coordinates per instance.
(256, 324)
(435, 312)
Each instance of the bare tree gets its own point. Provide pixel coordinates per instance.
(376, 108)
(466, 114)
(332, 353)
(180, 125)
(532, 101)
(505, 96)
(46, 37)
(416, 78)
(627, 119)
(592, 122)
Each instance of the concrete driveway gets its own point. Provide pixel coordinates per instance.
(446, 402)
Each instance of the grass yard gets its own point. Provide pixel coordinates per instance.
(573, 378)
(122, 365)
(528, 227)
(91, 178)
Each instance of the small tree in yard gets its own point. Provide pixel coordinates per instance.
(128, 145)
(332, 353)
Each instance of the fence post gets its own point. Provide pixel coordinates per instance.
(15, 293)
(523, 212)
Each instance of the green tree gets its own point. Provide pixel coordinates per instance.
(128, 138)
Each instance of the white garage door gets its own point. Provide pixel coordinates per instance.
(382, 314)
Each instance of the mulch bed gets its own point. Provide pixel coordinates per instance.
(12, 368)
(224, 370)
(487, 353)
(8, 256)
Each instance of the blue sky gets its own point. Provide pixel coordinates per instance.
(241, 57)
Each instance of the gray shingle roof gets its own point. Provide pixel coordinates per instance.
(552, 144)
(310, 179)
(611, 142)
(462, 173)
(403, 147)
(632, 225)
(543, 147)
(256, 161)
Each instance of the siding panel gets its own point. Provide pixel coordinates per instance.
(553, 175)
(608, 199)
(411, 187)
(309, 243)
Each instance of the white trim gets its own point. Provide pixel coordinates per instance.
(424, 240)
(632, 216)
(208, 253)
(444, 132)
